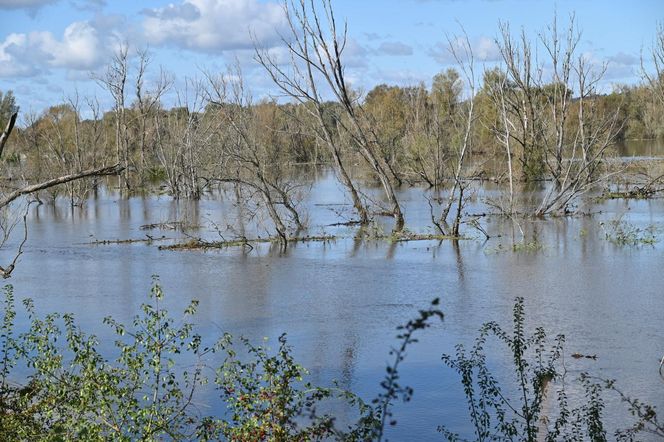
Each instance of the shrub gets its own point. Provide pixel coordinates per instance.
(147, 391)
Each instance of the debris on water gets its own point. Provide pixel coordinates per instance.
(148, 239)
(579, 356)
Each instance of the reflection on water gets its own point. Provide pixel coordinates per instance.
(340, 302)
(641, 149)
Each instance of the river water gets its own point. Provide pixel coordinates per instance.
(340, 302)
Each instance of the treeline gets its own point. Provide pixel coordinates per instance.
(511, 123)
(409, 122)
(399, 114)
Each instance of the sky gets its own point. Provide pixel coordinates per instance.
(50, 50)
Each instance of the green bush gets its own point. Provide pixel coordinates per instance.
(147, 392)
(496, 415)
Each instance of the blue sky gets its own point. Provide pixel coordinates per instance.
(49, 48)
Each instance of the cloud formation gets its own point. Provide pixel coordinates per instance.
(214, 25)
(623, 58)
(619, 66)
(83, 46)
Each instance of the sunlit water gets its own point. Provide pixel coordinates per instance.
(340, 302)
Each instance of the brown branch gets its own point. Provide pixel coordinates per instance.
(101, 171)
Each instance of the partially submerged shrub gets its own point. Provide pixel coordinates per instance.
(623, 233)
(533, 246)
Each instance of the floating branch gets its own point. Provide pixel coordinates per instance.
(148, 240)
(168, 225)
(200, 244)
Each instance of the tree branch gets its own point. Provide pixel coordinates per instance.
(100, 171)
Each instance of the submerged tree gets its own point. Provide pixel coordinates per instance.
(146, 108)
(115, 80)
(184, 137)
(248, 149)
(460, 118)
(544, 130)
(316, 46)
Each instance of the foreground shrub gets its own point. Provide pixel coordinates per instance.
(148, 390)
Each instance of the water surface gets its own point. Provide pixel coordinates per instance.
(340, 302)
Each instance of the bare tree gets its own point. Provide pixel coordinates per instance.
(249, 154)
(584, 150)
(495, 85)
(520, 96)
(114, 80)
(461, 50)
(535, 122)
(183, 140)
(316, 46)
(148, 102)
(656, 79)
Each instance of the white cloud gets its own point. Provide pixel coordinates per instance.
(10, 66)
(371, 36)
(88, 5)
(402, 77)
(355, 55)
(486, 49)
(214, 25)
(81, 47)
(619, 67)
(624, 59)
(31, 7)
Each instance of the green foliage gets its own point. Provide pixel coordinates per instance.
(387, 108)
(533, 246)
(74, 393)
(156, 174)
(148, 391)
(647, 421)
(267, 399)
(13, 158)
(497, 415)
(446, 90)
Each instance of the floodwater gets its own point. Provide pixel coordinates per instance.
(340, 302)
